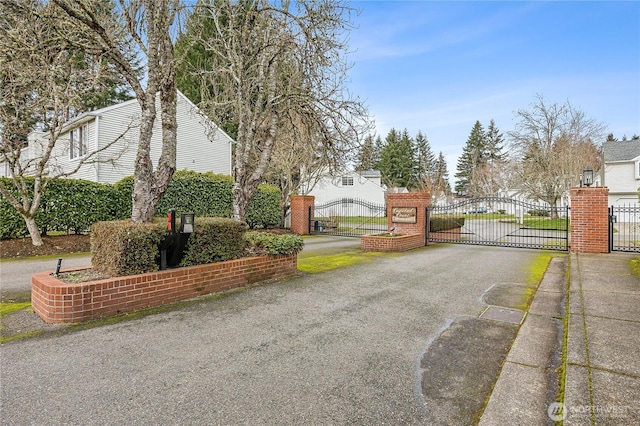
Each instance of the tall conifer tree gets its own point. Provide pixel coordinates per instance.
(473, 156)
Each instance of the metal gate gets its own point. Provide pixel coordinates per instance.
(500, 221)
(624, 228)
(347, 217)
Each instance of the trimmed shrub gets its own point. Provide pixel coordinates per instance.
(205, 194)
(274, 244)
(215, 239)
(12, 225)
(208, 195)
(442, 223)
(67, 205)
(541, 212)
(125, 248)
(264, 208)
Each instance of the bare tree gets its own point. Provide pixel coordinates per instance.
(553, 144)
(272, 67)
(44, 82)
(148, 25)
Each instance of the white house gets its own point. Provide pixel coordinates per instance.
(362, 185)
(201, 145)
(622, 171)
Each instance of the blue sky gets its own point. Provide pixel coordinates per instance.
(438, 66)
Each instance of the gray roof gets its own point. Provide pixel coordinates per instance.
(621, 150)
(369, 173)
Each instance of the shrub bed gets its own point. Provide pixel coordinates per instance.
(442, 223)
(73, 205)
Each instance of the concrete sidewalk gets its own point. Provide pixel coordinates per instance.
(601, 347)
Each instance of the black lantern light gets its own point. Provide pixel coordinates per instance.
(187, 222)
(587, 176)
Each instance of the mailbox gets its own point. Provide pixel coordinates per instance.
(172, 247)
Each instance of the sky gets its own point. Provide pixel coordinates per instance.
(440, 66)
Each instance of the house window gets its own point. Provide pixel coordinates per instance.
(78, 142)
(347, 180)
(637, 169)
(347, 202)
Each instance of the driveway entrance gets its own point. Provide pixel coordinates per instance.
(340, 347)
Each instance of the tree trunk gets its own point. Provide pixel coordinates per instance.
(34, 232)
(142, 204)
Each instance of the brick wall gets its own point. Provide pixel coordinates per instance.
(300, 219)
(58, 302)
(388, 244)
(589, 220)
(420, 200)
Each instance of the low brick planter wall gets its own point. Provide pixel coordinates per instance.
(58, 302)
(390, 244)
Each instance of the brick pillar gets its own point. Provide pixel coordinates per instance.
(590, 219)
(419, 200)
(300, 219)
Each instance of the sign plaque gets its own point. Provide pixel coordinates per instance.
(404, 214)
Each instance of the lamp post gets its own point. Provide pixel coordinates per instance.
(587, 176)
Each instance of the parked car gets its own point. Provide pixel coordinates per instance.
(478, 210)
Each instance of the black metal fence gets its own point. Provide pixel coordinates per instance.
(348, 217)
(624, 228)
(500, 221)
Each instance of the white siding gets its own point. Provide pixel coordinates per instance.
(331, 188)
(622, 182)
(194, 149)
(117, 161)
(202, 147)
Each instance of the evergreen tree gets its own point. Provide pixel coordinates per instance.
(494, 143)
(367, 155)
(396, 159)
(377, 149)
(441, 177)
(425, 162)
(473, 156)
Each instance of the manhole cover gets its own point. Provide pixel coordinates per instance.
(503, 314)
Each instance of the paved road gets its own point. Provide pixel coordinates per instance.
(15, 276)
(333, 348)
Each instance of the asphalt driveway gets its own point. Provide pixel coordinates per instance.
(332, 348)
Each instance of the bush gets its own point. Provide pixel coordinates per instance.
(73, 205)
(205, 194)
(264, 208)
(67, 205)
(274, 244)
(442, 223)
(209, 195)
(125, 248)
(215, 240)
(541, 212)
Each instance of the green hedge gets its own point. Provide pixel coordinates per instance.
(210, 195)
(442, 223)
(122, 247)
(275, 244)
(215, 240)
(67, 205)
(71, 205)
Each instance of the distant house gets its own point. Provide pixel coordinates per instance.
(201, 145)
(622, 171)
(363, 185)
